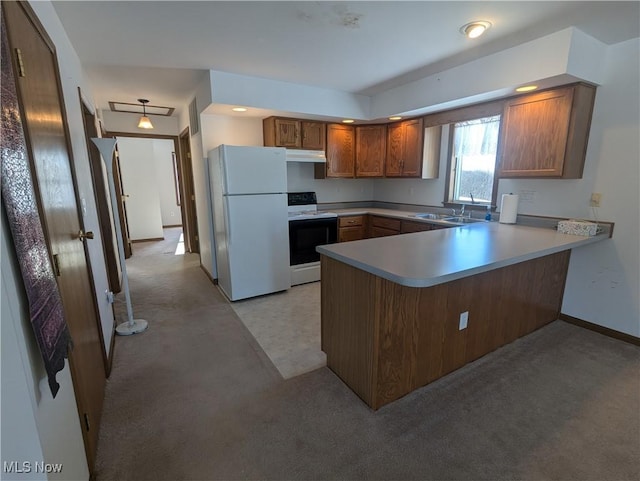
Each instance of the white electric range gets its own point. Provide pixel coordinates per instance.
(308, 228)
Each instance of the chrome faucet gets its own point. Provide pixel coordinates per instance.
(459, 214)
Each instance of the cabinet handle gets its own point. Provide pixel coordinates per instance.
(351, 222)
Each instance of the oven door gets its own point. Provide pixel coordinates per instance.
(306, 235)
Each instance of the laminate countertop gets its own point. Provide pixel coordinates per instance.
(425, 259)
(396, 214)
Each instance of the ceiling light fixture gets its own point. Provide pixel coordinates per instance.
(239, 109)
(526, 88)
(395, 117)
(348, 121)
(144, 122)
(475, 29)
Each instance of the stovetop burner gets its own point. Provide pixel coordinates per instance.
(303, 205)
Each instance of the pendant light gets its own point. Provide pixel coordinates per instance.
(144, 122)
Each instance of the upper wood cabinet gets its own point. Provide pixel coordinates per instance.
(341, 151)
(545, 134)
(371, 141)
(293, 133)
(404, 149)
(314, 135)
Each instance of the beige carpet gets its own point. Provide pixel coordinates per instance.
(287, 327)
(195, 398)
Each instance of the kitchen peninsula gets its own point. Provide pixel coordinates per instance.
(393, 308)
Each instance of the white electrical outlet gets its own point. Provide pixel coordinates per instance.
(596, 197)
(110, 296)
(464, 319)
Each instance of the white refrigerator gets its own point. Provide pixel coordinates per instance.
(251, 228)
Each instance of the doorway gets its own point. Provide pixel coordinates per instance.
(189, 213)
(102, 198)
(177, 188)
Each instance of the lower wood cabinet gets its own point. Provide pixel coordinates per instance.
(353, 227)
(408, 226)
(356, 227)
(383, 226)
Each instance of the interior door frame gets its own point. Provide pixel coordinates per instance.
(187, 187)
(102, 197)
(179, 159)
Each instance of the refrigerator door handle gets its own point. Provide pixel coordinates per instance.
(227, 222)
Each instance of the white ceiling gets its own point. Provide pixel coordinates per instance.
(160, 49)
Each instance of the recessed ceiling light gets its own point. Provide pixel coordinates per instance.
(239, 109)
(475, 29)
(395, 117)
(348, 121)
(526, 88)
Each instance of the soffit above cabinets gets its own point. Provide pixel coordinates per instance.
(136, 108)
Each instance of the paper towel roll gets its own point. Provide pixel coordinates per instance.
(509, 208)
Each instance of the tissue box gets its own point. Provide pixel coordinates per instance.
(577, 227)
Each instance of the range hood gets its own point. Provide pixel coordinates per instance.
(295, 155)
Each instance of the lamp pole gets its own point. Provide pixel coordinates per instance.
(132, 326)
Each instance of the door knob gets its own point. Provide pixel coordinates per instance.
(82, 236)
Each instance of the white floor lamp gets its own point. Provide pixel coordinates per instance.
(132, 326)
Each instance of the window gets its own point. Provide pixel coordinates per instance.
(473, 160)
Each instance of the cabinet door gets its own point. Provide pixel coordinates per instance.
(340, 150)
(288, 133)
(382, 232)
(346, 234)
(412, 148)
(370, 150)
(386, 223)
(412, 226)
(395, 141)
(535, 131)
(313, 135)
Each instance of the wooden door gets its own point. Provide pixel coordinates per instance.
(340, 150)
(371, 145)
(103, 201)
(313, 135)
(122, 206)
(189, 213)
(39, 92)
(412, 158)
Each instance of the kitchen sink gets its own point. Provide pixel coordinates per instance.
(431, 216)
(426, 216)
(462, 220)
